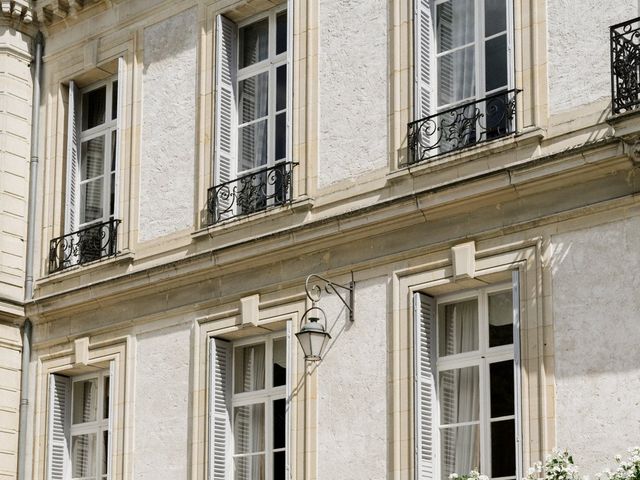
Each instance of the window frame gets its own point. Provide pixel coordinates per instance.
(98, 426)
(483, 358)
(106, 130)
(479, 41)
(266, 396)
(269, 65)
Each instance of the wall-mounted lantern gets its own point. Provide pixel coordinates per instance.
(313, 335)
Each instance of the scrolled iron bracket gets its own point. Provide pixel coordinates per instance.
(312, 286)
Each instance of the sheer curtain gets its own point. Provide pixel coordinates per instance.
(459, 391)
(468, 395)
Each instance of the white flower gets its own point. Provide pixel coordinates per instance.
(453, 476)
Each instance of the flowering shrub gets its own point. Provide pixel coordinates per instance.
(557, 466)
(473, 475)
(627, 470)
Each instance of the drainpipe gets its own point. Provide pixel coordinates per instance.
(28, 285)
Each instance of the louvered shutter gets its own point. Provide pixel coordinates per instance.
(225, 109)
(112, 402)
(122, 78)
(73, 190)
(515, 279)
(423, 58)
(59, 425)
(425, 394)
(219, 409)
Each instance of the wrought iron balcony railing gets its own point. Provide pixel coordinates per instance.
(625, 66)
(462, 126)
(86, 245)
(253, 192)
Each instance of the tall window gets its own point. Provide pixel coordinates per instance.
(92, 157)
(463, 75)
(249, 409)
(472, 54)
(79, 427)
(98, 141)
(465, 367)
(252, 110)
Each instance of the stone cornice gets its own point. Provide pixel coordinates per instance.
(20, 10)
(554, 173)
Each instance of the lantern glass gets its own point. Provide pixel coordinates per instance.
(313, 339)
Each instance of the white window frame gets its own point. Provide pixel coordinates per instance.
(266, 396)
(270, 65)
(479, 55)
(105, 129)
(483, 358)
(62, 434)
(97, 427)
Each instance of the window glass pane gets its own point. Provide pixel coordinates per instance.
(496, 59)
(279, 423)
(460, 450)
(112, 195)
(501, 377)
(279, 465)
(281, 136)
(83, 456)
(281, 88)
(105, 452)
(281, 33)
(501, 319)
(93, 107)
(455, 24)
(456, 76)
(249, 368)
(458, 327)
(503, 448)
(85, 400)
(279, 362)
(254, 97)
(92, 158)
(114, 100)
(254, 43)
(105, 397)
(114, 148)
(495, 17)
(249, 468)
(459, 395)
(253, 145)
(91, 201)
(248, 428)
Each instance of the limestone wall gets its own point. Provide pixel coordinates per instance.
(597, 359)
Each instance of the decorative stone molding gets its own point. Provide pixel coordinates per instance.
(52, 11)
(17, 9)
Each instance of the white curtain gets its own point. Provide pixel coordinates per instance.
(459, 391)
(456, 70)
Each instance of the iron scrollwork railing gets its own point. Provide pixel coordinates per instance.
(253, 192)
(84, 246)
(625, 66)
(462, 126)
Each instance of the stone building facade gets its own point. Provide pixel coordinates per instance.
(199, 159)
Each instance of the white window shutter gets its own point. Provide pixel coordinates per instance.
(517, 363)
(290, 14)
(226, 103)
(73, 191)
(425, 393)
(122, 78)
(219, 409)
(112, 402)
(59, 425)
(423, 58)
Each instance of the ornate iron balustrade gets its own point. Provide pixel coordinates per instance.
(86, 245)
(625, 66)
(462, 126)
(253, 192)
